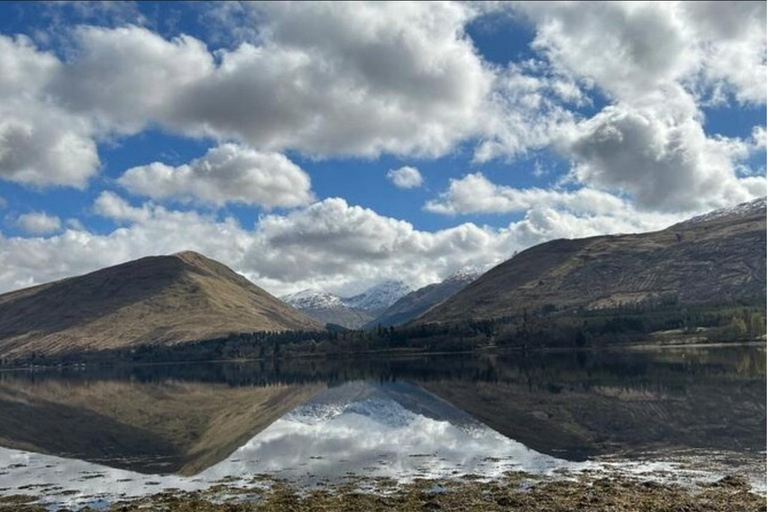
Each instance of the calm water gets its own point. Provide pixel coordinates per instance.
(85, 437)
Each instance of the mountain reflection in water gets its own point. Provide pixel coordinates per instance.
(188, 426)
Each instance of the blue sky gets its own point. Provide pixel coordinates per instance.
(526, 122)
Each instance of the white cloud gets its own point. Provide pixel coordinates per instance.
(658, 63)
(664, 163)
(38, 223)
(41, 144)
(474, 193)
(405, 177)
(127, 77)
(339, 79)
(226, 173)
(528, 110)
(330, 79)
(732, 41)
(324, 79)
(112, 206)
(631, 49)
(329, 245)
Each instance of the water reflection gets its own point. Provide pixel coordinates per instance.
(189, 425)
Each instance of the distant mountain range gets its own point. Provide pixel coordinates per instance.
(414, 304)
(390, 303)
(352, 312)
(712, 258)
(158, 299)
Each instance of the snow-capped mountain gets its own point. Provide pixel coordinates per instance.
(466, 274)
(313, 299)
(352, 312)
(413, 304)
(327, 308)
(378, 298)
(750, 208)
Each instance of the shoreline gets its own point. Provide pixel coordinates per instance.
(401, 353)
(516, 491)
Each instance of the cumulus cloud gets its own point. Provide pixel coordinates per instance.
(658, 63)
(337, 79)
(631, 49)
(664, 163)
(329, 245)
(38, 223)
(474, 193)
(112, 206)
(226, 173)
(323, 79)
(41, 144)
(405, 177)
(127, 77)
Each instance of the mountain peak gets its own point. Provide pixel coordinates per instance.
(379, 297)
(157, 299)
(188, 255)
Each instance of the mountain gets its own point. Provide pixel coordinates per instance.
(352, 312)
(378, 298)
(708, 259)
(327, 308)
(417, 302)
(158, 299)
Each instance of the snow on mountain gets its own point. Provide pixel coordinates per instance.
(749, 208)
(379, 297)
(313, 299)
(417, 302)
(327, 308)
(375, 298)
(466, 274)
(352, 312)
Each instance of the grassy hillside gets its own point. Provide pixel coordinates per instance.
(158, 299)
(713, 259)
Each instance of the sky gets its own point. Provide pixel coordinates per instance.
(333, 146)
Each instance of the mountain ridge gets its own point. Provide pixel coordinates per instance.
(157, 299)
(718, 256)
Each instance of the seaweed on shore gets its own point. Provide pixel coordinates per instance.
(517, 492)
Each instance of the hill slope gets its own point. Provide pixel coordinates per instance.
(711, 258)
(417, 302)
(158, 299)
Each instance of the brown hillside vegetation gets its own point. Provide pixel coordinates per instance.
(158, 299)
(717, 257)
